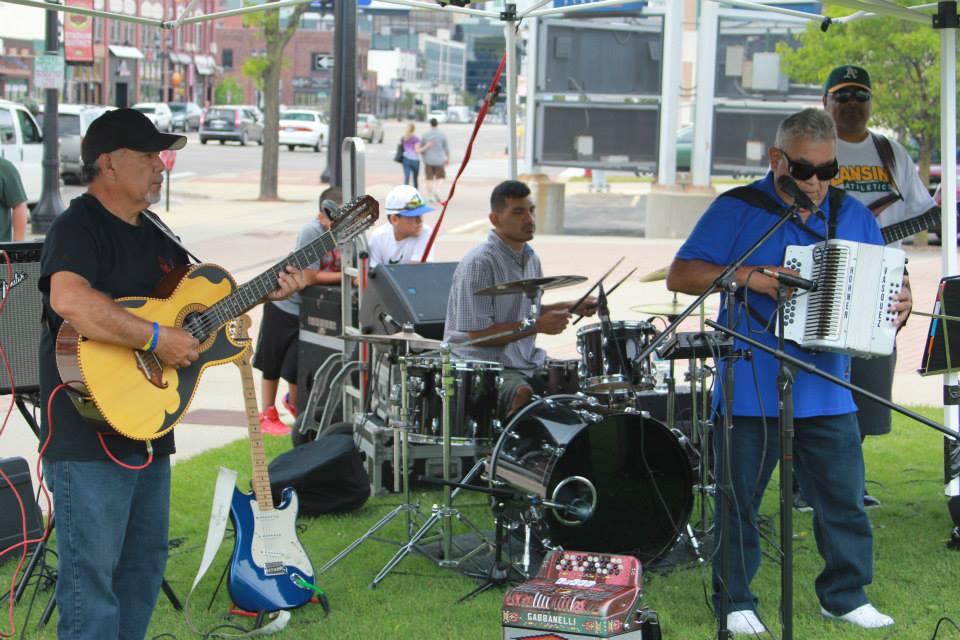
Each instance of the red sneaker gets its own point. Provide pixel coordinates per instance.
(270, 423)
(292, 410)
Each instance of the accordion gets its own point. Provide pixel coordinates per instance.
(849, 312)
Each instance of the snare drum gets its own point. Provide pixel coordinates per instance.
(628, 475)
(473, 411)
(608, 365)
(560, 376)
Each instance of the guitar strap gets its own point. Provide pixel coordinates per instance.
(889, 161)
(167, 231)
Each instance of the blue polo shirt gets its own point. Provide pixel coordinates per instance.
(727, 229)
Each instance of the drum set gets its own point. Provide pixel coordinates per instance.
(610, 456)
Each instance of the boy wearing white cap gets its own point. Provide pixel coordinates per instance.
(405, 239)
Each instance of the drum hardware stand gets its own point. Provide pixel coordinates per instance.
(401, 452)
(598, 283)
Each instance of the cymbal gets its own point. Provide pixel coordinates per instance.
(654, 276)
(530, 285)
(412, 339)
(668, 309)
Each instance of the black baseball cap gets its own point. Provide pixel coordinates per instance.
(125, 129)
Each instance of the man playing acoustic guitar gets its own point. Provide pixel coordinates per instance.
(112, 493)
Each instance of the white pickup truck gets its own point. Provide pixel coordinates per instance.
(22, 144)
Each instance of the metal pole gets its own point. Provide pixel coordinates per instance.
(50, 204)
(703, 106)
(670, 92)
(529, 140)
(510, 31)
(343, 103)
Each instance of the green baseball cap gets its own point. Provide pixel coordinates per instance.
(847, 76)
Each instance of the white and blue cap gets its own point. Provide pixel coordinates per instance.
(406, 201)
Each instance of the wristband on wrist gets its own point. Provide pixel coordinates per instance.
(151, 344)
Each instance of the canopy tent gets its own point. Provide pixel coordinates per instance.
(941, 16)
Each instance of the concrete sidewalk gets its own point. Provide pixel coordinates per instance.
(221, 221)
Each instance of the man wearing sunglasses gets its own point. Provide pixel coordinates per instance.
(878, 172)
(827, 449)
(405, 238)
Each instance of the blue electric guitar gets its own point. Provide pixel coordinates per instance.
(269, 569)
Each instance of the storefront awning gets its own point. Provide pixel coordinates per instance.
(121, 51)
(205, 64)
(180, 58)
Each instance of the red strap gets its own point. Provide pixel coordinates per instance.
(487, 103)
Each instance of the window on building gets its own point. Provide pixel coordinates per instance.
(98, 29)
(227, 60)
(114, 31)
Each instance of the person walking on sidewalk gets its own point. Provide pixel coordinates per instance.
(411, 156)
(436, 156)
(276, 354)
(13, 204)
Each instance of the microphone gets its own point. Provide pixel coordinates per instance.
(790, 280)
(387, 318)
(802, 200)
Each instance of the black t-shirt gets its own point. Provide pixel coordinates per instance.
(120, 260)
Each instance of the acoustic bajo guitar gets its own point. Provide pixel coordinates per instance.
(136, 395)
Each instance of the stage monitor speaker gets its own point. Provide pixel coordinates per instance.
(409, 293)
(20, 320)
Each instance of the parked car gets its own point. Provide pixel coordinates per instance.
(303, 128)
(459, 113)
(186, 116)
(22, 144)
(158, 112)
(439, 115)
(369, 127)
(256, 111)
(72, 123)
(230, 122)
(684, 147)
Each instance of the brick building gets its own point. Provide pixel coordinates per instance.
(307, 78)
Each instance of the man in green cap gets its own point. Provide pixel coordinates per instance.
(877, 171)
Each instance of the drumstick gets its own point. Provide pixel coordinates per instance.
(595, 285)
(612, 289)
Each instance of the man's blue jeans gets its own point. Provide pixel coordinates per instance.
(111, 530)
(829, 464)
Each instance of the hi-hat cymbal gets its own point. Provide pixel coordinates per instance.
(529, 285)
(412, 339)
(654, 276)
(668, 309)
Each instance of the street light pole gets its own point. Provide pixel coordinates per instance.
(50, 204)
(343, 105)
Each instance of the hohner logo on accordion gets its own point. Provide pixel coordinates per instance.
(850, 310)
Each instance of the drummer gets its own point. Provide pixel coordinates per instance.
(504, 257)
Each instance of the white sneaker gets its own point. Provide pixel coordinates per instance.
(745, 623)
(865, 616)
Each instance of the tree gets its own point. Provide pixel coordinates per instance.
(228, 91)
(265, 70)
(904, 64)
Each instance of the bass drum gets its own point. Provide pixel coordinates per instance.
(633, 468)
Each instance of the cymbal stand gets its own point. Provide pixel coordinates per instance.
(401, 459)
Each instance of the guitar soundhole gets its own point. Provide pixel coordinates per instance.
(192, 324)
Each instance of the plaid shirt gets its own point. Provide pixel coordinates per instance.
(493, 262)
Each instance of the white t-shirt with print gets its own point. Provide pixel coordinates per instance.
(862, 176)
(384, 248)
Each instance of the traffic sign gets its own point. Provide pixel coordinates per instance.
(322, 61)
(168, 157)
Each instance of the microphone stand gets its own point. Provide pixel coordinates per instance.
(724, 282)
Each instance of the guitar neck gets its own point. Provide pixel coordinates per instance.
(906, 228)
(260, 479)
(249, 295)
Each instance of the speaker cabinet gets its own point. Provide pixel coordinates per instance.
(20, 320)
(11, 525)
(410, 294)
(320, 328)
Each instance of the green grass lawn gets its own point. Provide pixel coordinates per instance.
(915, 575)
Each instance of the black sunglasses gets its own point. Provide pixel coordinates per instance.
(804, 170)
(846, 95)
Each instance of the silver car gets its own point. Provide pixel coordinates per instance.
(369, 127)
(72, 123)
